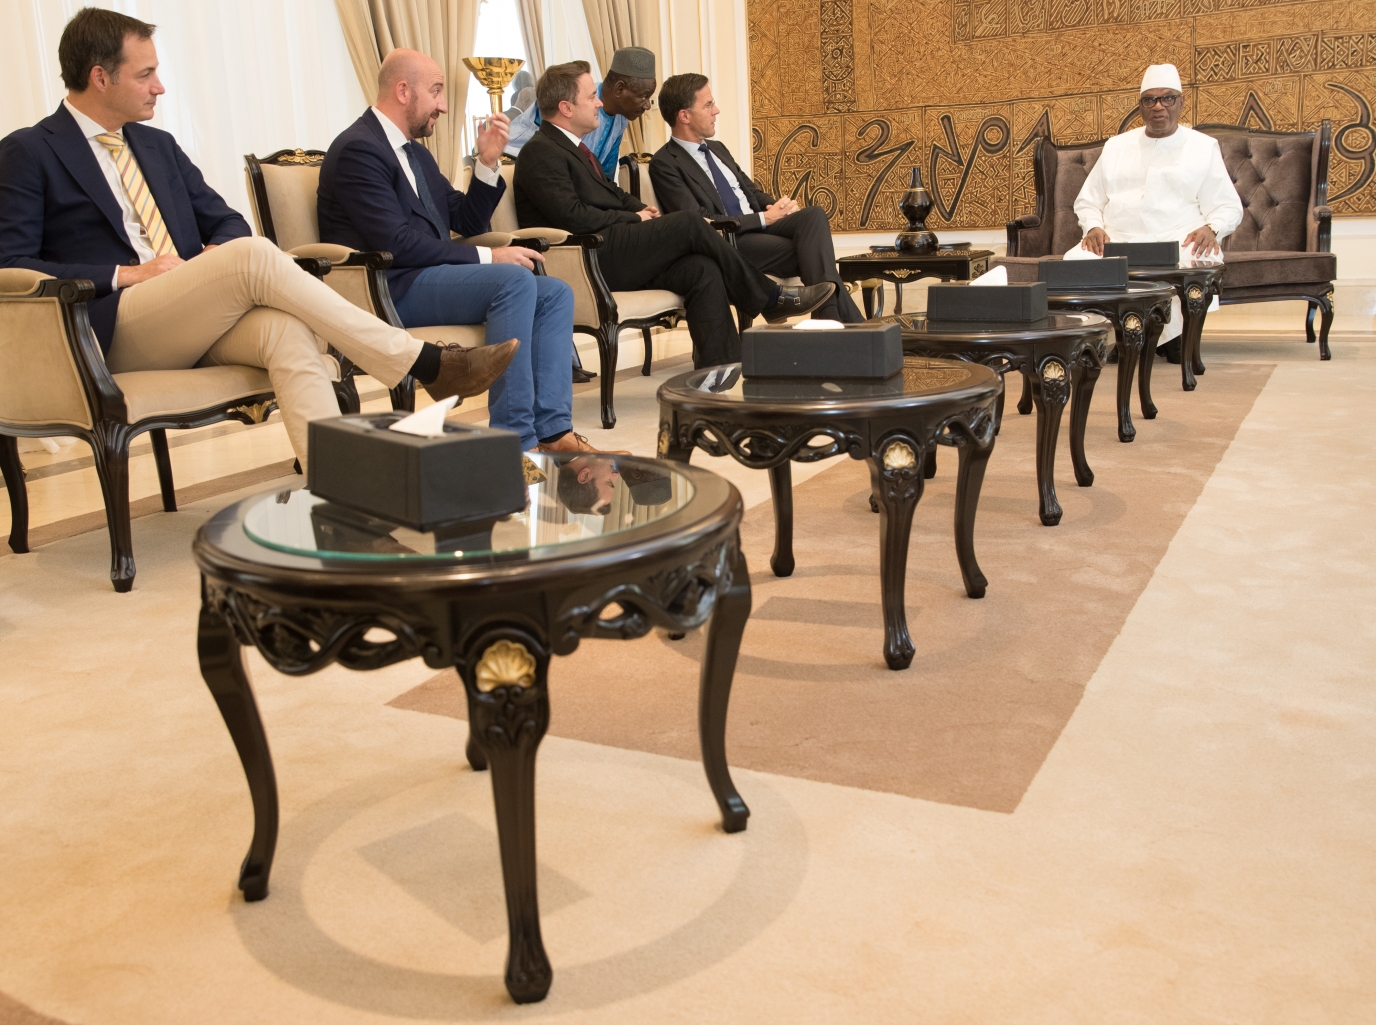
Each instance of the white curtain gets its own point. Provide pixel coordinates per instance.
(242, 76)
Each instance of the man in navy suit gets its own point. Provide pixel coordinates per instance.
(90, 193)
(380, 189)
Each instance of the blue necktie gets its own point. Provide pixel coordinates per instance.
(728, 196)
(423, 190)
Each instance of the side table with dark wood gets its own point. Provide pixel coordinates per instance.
(1060, 355)
(309, 583)
(1138, 315)
(1195, 286)
(955, 262)
(894, 425)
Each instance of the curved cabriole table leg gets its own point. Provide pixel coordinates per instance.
(1131, 337)
(222, 668)
(508, 713)
(896, 478)
(1086, 374)
(724, 632)
(1193, 306)
(1025, 402)
(1050, 391)
(781, 489)
(974, 457)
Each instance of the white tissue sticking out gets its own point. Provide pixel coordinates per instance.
(429, 422)
(819, 325)
(997, 276)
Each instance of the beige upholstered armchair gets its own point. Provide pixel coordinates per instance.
(597, 310)
(54, 382)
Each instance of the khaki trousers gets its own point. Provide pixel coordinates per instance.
(247, 303)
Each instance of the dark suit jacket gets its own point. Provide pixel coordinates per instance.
(680, 184)
(556, 187)
(364, 201)
(59, 216)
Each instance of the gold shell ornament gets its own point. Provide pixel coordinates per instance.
(899, 456)
(505, 664)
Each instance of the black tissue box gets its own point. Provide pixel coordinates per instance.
(1110, 272)
(857, 350)
(1021, 303)
(1146, 254)
(466, 474)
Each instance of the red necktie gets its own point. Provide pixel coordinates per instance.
(597, 168)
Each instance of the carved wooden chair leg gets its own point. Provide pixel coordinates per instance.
(163, 458)
(404, 395)
(607, 342)
(714, 691)
(649, 351)
(110, 446)
(346, 394)
(1309, 322)
(13, 471)
(1327, 322)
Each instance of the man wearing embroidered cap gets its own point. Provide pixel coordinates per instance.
(1162, 182)
(625, 94)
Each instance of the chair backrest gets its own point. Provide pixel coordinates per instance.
(1060, 173)
(633, 175)
(39, 380)
(282, 190)
(504, 217)
(1280, 177)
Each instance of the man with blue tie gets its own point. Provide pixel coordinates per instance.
(90, 193)
(380, 189)
(692, 171)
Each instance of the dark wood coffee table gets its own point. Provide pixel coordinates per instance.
(1060, 355)
(955, 262)
(1138, 315)
(1196, 286)
(894, 425)
(308, 584)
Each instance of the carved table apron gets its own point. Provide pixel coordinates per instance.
(1138, 315)
(497, 621)
(886, 264)
(765, 424)
(1196, 287)
(1060, 356)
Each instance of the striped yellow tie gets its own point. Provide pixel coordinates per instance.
(137, 190)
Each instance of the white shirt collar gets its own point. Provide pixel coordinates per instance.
(88, 127)
(691, 147)
(567, 134)
(396, 138)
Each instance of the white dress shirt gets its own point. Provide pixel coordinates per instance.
(748, 222)
(397, 140)
(1159, 190)
(576, 140)
(133, 227)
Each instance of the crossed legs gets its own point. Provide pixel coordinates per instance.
(246, 302)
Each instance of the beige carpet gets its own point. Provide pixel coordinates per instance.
(993, 682)
(1195, 847)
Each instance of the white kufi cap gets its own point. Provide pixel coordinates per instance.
(1161, 76)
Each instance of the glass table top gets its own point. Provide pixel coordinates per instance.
(921, 376)
(1054, 323)
(569, 499)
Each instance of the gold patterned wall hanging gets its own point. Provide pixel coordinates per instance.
(847, 95)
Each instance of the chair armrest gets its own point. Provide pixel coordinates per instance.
(1025, 222)
(536, 243)
(490, 239)
(730, 225)
(1324, 216)
(316, 266)
(343, 256)
(62, 377)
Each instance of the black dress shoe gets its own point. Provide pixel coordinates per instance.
(797, 300)
(1171, 350)
(581, 376)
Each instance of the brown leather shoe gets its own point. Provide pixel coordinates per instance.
(465, 372)
(572, 442)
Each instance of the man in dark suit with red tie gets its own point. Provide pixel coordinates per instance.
(560, 184)
(694, 172)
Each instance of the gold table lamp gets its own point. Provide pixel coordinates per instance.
(494, 74)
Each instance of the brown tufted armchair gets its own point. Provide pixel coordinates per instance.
(1279, 251)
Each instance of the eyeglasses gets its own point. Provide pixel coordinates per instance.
(1162, 101)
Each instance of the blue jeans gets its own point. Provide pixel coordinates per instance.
(534, 397)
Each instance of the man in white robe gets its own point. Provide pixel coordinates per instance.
(1159, 183)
